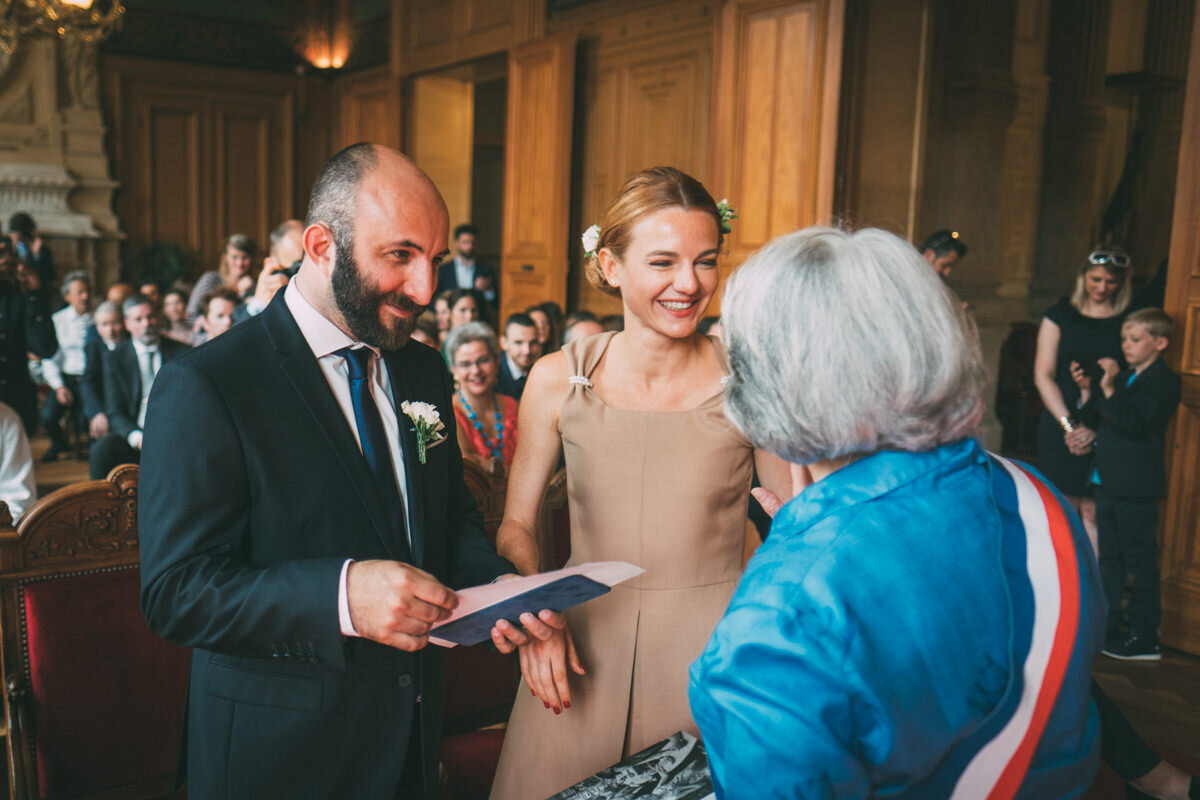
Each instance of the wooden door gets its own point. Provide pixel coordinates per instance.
(199, 154)
(370, 104)
(537, 173)
(774, 124)
(1181, 529)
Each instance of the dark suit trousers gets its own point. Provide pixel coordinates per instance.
(111, 451)
(53, 411)
(1127, 527)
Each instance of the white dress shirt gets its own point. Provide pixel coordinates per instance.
(516, 372)
(149, 362)
(464, 272)
(71, 330)
(326, 339)
(17, 485)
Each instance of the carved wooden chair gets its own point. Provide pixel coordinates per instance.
(554, 524)
(94, 700)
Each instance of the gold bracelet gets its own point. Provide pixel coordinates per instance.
(1066, 423)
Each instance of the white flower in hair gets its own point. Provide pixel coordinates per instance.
(591, 240)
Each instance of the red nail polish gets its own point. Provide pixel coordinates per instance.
(547, 705)
(566, 703)
(532, 692)
(557, 710)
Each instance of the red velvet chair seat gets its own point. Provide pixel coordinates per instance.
(470, 760)
(98, 723)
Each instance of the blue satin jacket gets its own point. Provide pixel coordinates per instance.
(917, 625)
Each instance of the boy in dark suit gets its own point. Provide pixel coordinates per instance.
(1132, 411)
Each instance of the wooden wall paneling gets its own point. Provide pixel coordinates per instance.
(316, 137)
(167, 201)
(1180, 534)
(645, 90)
(774, 123)
(431, 24)
(252, 186)
(431, 34)
(371, 105)
(200, 153)
(441, 124)
(600, 174)
(645, 104)
(541, 82)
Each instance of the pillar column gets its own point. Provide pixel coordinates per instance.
(1068, 219)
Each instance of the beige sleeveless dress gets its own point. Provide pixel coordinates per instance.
(666, 491)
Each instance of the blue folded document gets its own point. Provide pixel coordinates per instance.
(559, 595)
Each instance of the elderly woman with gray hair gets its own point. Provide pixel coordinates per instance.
(487, 420)
(923, 618)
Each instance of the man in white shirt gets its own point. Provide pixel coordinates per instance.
(17, 487)
(64, 370)
(129, 372)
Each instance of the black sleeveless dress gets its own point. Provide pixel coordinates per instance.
(1086, 340)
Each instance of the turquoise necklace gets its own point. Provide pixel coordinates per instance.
(497, 449)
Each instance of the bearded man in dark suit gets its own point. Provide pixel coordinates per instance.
(291, 531)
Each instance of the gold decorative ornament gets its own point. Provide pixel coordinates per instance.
(87, 21)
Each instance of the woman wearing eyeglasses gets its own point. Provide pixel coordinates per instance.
(1081, 329)
(487, 420)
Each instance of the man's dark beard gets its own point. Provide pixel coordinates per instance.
(359, 303)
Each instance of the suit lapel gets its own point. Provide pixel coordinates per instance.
(414, 475)
(306, 377)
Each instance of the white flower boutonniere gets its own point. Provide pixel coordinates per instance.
(427, 424)
(590, 239)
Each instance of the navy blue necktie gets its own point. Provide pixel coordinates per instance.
(374, 442)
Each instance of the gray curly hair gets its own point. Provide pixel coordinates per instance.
(845, 343)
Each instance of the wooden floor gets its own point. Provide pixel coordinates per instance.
(1162, 699)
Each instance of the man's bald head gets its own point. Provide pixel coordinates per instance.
(335, 193)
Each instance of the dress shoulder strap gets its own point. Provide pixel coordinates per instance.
(722, 357)
(583, 355)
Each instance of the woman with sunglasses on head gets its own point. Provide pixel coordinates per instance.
(487, 420)
(656, 476)
(1081, 329)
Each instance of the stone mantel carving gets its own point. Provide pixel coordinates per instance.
(53, 164)
(42, 190)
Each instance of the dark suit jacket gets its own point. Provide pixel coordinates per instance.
(92, 386)
(123, 382)
(246, 519)
(1130, 440)
(513, 387)
(25, 327)
(448, 277)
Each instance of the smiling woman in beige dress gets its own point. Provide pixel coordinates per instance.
(656, 476)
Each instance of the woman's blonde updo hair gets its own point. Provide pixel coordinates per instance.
(645, 193)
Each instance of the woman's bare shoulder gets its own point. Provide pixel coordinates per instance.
(548, 381)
